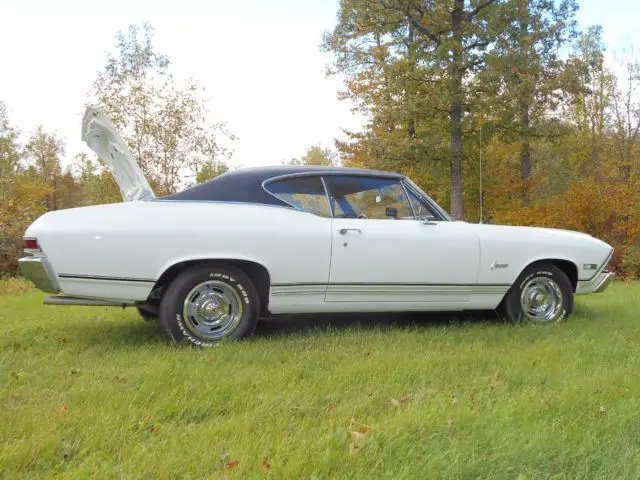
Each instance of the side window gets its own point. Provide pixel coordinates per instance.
(420, 207)
(304, 193)
(354, 196)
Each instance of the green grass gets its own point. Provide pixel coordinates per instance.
(96, 392)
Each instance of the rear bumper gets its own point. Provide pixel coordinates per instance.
(39, 271)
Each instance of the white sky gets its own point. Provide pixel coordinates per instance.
(258, 60)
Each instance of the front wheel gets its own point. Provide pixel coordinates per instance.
(205, 305)
(541, 295)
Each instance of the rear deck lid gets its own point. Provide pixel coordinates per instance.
(101, 135)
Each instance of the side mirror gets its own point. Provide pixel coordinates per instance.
(391, 212)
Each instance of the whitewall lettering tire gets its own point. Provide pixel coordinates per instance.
(208, 304)
(542, 295)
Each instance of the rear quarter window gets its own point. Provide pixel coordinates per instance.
(304, 193)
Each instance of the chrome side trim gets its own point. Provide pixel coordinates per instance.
(391, 289)
(405, 181)
(87, 302)
(109, 279)
(292, 284)
(300, 289)
(39, 271)
(386, 288)
(328, 172)
(226, 202)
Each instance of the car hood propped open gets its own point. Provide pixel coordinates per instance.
(99, 133)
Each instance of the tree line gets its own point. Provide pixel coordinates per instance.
(450, 89)
(511, 87)
(164, 123)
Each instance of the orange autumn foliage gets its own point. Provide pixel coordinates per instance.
(606, 209)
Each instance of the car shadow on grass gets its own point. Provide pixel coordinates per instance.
(140, 333)
(296, 324)
(124, 334)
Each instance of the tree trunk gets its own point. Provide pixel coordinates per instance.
(457, 210)
(594, 150)
(411, 127)
(54, 191)
(526, 98)
(525, 153)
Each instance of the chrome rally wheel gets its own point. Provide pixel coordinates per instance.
(541, 300)
(212, 310)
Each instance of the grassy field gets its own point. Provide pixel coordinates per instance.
(96, 392)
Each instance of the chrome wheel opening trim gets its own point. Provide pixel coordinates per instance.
(212, 310)
(541, 300)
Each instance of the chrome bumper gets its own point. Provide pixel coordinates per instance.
(602, 282)
(39, 271)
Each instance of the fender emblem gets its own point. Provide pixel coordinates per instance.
(495, 265)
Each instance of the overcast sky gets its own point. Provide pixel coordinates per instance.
(258, 60)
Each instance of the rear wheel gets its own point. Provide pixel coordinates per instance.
(205, 305)
(541, 295)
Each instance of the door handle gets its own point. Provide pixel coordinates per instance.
(343, 231)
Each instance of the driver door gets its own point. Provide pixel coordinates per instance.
(382, 253)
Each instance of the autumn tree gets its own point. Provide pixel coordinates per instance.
(524, 81)
(376, 49)
(626, 115)
(23, 192)
(9, 153)
(315, 155)
(441, 44)
(592, 90)
(98, 185)
(10, 168)
(44, 151)
(441, 85)
(165, 123)
(210, 170)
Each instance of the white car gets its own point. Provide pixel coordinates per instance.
(209, 261)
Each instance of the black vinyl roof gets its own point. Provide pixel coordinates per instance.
(245, 185)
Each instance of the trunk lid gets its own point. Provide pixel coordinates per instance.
(101, 135)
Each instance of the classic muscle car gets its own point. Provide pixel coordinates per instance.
(209, 261)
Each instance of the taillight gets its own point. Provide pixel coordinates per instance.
(31, 245)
